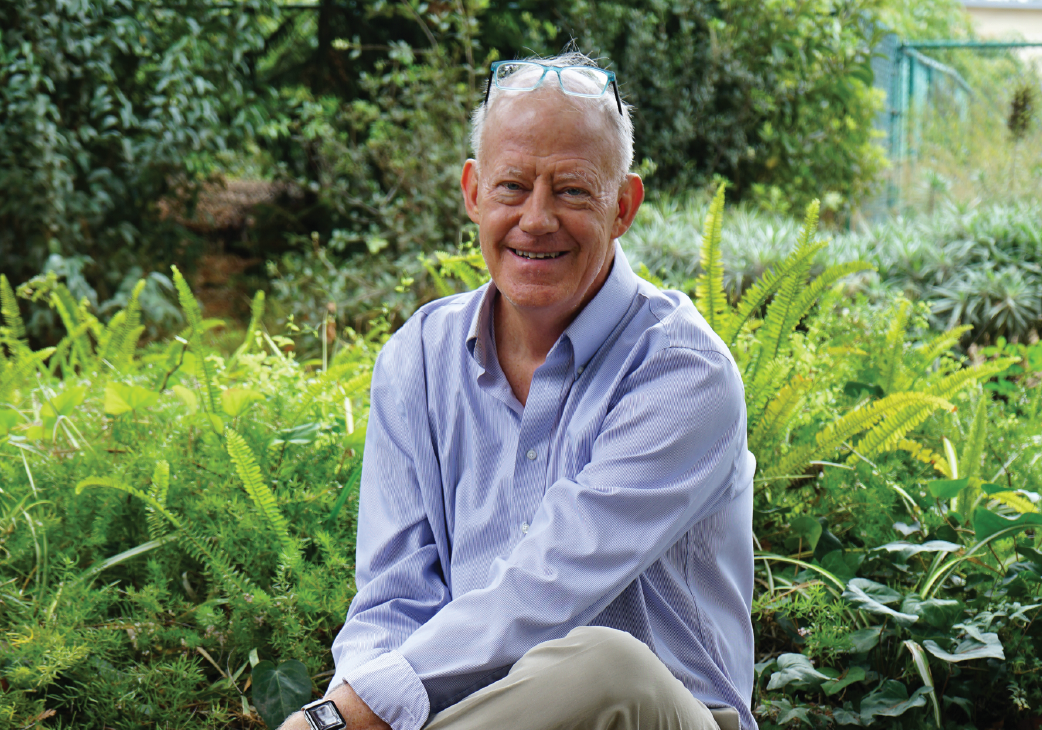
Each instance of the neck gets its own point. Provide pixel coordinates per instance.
(523, 340)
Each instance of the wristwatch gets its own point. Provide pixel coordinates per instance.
(323, 715)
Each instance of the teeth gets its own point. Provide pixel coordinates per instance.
(537, 255)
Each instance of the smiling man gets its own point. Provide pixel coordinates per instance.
(556, 500)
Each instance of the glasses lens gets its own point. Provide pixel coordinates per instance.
(584, 81)
(519, 76)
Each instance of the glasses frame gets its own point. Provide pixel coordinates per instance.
(558, 69)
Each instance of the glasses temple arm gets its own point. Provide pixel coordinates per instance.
(615, 88)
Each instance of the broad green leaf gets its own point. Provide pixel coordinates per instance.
(854, 674)
(906, 550)
(946, 488)
(843, 716)
(121, 398)
(64, 403)
(865, 640)
(870, 596)
(9, 418)
(938, 612)
(891, 700)
(969, 649)
(235, 401)
(300, 435)
(842, 564)
(804, 530)
(187, 397)
(280, 691)
(986, 523)
(796, 671)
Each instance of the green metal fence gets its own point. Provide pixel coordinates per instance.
(947, 102)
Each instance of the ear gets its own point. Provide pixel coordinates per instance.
(468, 183)
(631, 195)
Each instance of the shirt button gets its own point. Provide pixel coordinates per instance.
(524, 528)
(531, 454)
(580, 370)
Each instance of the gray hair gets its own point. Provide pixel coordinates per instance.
(620, 124)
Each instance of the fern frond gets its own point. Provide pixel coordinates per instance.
(262, 496)
(919, 452)
(1019, 503)
(776, 416)
(756, 296)
(763, 385)
(886, 435)
(193, 315)
(941, 344)
(256, 315)
(18, 371)
(820, 284)
(119, 340)
(133, 491)
(970, 458)
(857, 421)
(216, 561)
(952, 384)
(160, 485)
(9, 309)
(893, 350)
(710, 297)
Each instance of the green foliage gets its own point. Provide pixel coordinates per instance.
(107, 107)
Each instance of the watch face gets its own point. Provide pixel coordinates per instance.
(325, 716)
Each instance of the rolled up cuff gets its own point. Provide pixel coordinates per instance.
(391, 688)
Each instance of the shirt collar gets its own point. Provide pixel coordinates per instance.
(586, 333)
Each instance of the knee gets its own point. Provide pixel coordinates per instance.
(619, 666)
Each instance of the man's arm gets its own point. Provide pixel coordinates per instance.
(666, 457)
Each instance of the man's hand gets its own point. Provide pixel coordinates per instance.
(356, 713)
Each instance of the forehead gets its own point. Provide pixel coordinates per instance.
(545, 126)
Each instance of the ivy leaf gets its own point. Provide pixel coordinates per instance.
(854, 674)
(120, 398)
(280, 691)
(235, 401)
(797, 671)
(842, 564)
(870, 596)
(64, 403)
(843, 716)
(946, 488)
(891, 700)
(806, 530)
(969, 649)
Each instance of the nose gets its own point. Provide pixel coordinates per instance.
(538, 217)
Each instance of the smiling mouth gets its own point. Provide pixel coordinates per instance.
(536, 255)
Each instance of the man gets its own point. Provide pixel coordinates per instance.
(556, 502)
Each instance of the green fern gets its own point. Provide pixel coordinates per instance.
(893, 350)
(119, 341)
(16, 373)
(160, 485)
(134, 492)
(262, 496)
(921, 453)
(949, 385)
(970, 458)
(9, 308)
(941, 344)
(887, 435)
(256, 315)
(709, 286)
(204, 368)
(857, 421)
(777, 414)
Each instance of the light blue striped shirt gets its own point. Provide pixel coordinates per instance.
(620, 495)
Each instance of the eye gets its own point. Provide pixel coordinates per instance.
(574, 192)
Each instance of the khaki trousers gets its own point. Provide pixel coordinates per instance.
(593, 679)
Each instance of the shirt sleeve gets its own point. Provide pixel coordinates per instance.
(399, 576)
(667, 456)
